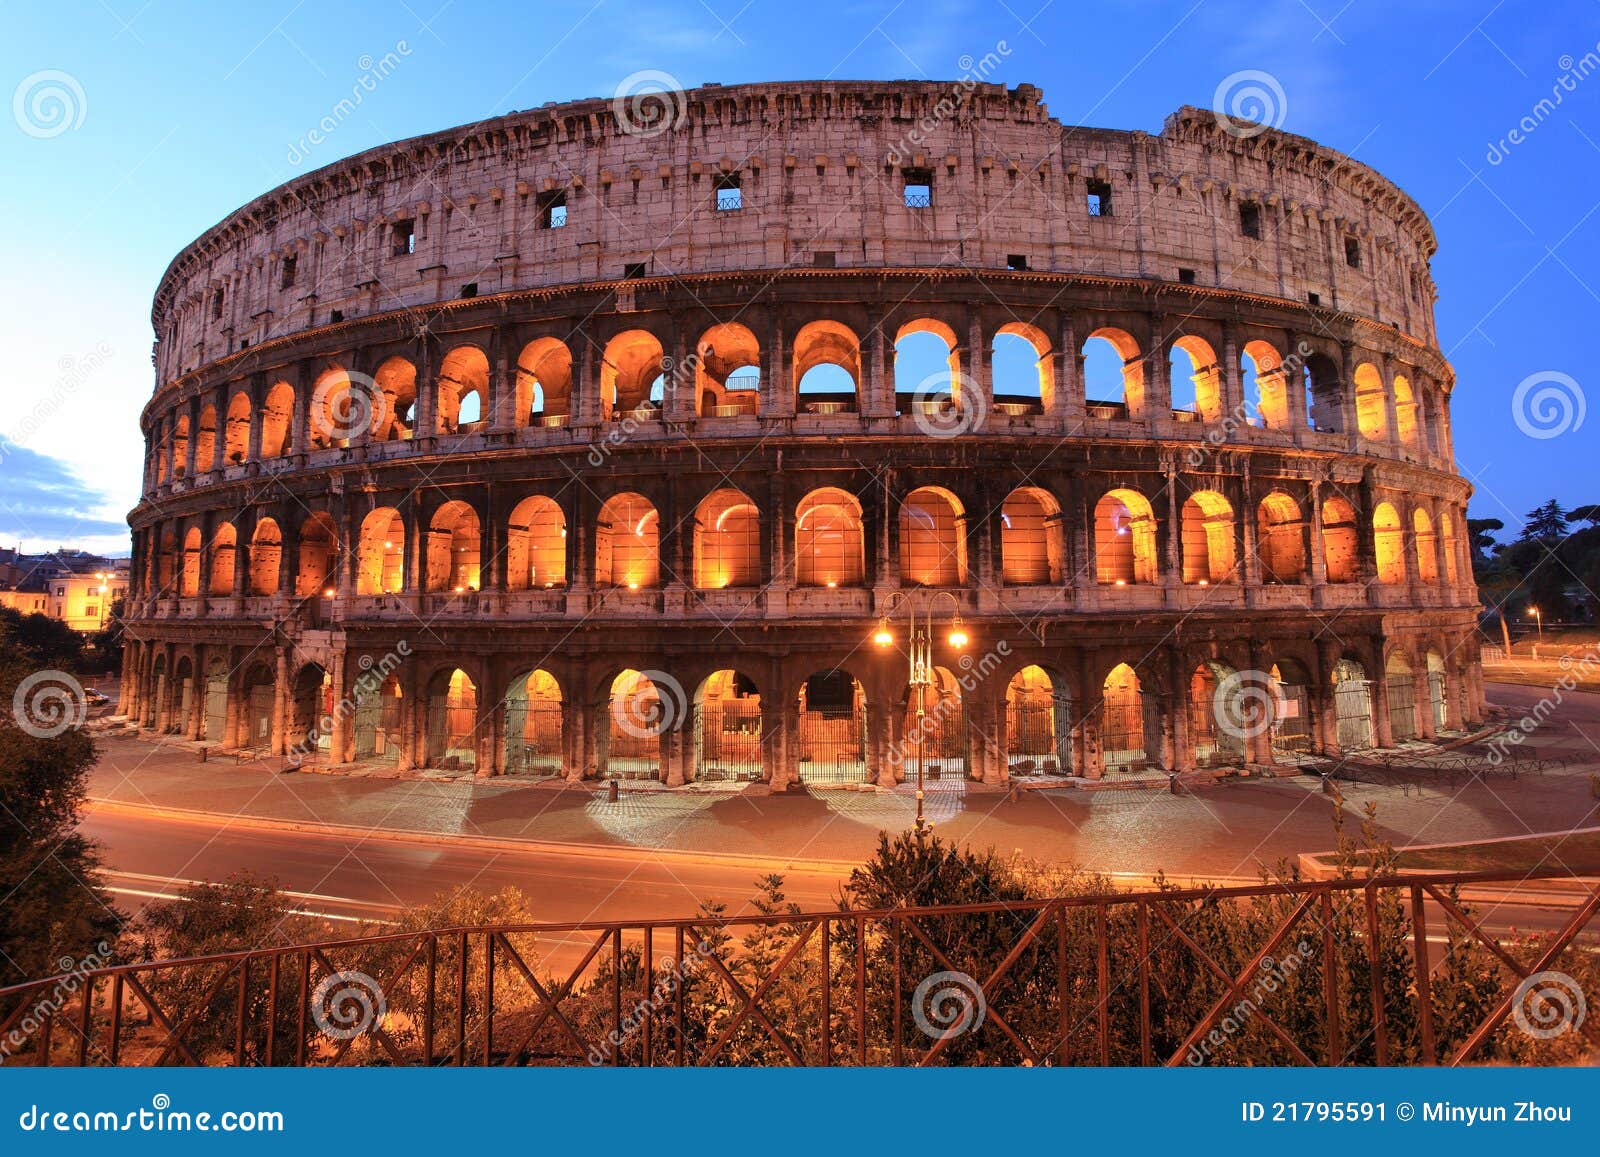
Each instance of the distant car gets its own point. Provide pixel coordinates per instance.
(96, 698)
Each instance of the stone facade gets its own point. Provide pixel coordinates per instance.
(568, 273)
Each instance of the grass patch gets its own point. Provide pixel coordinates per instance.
(1579, 852)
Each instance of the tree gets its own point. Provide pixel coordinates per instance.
(52, 909)
(1546, 523)
(1481, 532)
(1589, 514)
(39, 642)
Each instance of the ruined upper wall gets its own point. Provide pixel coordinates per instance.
(821, 168)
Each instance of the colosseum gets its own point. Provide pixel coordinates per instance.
(620, 439)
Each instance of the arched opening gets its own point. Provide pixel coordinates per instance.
(223, 544)
(214, 714)
(1451, 548)
(1388, 544)
(463, 391)
(1022, 370)
(1196, 380)
(189, 580)
(1265, 387)
(638, 718)
(1038, 724)
(727, 541)
(1281, 539)
(833, 729)
(1352, 705)
(827, 369)
(1341, 540)
(1208, 533)
(310, 702)
(1122, 721)
(236, 431)
(158, 700)
(1113, 374)
(341, 410)
(1124, 539)
(941, 736)
(452, 722)
(1291, 709)
(395, 418)
(544, 383)
(727, 728)
(1438, 693)
(1216, 732)
(728, 373)
(926, 367)
(1372, 406)
(535, 742)
(1405, 412)
(829, 548)
(266, 557)
(183, 697)
(1426, 547)
(166, 563)
(1031, 549)
(380, 556)
(628, 372)
(277, 421)
(1401, 693)
(933, 545)
(258, 688)
(1323, 391)
(376, 723)
(536, 545)
(205, 440)
(319, 556)
(453, 549)
(627, 543)
(180, 446)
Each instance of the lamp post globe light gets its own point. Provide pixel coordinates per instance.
(920, 657)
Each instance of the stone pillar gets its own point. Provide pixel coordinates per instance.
(280, 702)
(1317, 557)
(1233, 411)
(1066, 410)
(777, 391)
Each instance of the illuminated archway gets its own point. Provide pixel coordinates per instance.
(463, 390)
(380, 555)
(1023, 370)
(222, 560)
(534, 725)
(1341, 540)
(1192, 360)
(1401, 692)
(1372, 412)
(925, 365)
(629, 370)
(1388, 544)
(319, 551)
(932, 538)
(1215, 737)
(1280, 539)
(205, 440)
(727, 541)
(637, 718)
(1124, 539)
(536, 545)
(236, 431)
(1122, 723)
(454, 549)
(728, 372)
(1031, 549)
(452, 722)
(1038, 724)
(829, 548)
(1262, 367)
(1427, 549)
(277, 421)
(396, 416)
(833, 729)
(627, 543)
(1113, 374)
(827, 368)
(1405, 412)
(1352, 705)
(727, 728)
(544, 383)
(266, 557)
(1208, 538)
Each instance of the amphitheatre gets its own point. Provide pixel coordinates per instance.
(593, 441)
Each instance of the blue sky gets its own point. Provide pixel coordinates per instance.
(178, 113)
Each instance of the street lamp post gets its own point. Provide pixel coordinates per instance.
(1538, 620)
(921, 659)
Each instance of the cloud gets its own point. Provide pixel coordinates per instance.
(44, 504)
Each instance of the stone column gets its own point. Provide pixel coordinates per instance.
(280, 702)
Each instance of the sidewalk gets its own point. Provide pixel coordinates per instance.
(1229, 830)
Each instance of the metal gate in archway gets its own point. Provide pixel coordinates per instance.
(943, 735)
(1291, 726)
(1437, 701)
(833, 730)
(1352, 706)
(215, 721)
(1401, 691)
(727, 739)
(534, 738)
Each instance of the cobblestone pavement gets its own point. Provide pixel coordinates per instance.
(1226, 830)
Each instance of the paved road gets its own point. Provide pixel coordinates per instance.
(1227, 831)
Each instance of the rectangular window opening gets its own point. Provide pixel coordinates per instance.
(1186, 276)
(1017, 262)
(633, 270)
(290, 268)
(404, 235)
(1352, 252)
(727, 196)
(1099, 198)
(1313, 299)
(470, 289)
(918, 188)
(824, 259)
(1250, 220)
(552, 209)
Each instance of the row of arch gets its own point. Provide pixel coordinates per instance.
(643, 724)
(724, 378)
(829, 545)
